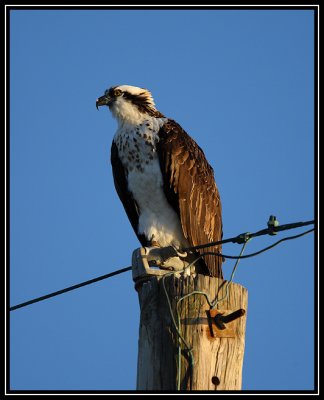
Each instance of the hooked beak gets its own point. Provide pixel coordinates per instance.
(103, 101)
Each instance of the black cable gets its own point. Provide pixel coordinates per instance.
(68, 289)
(243, 237)
(212, 253)
(237, 239)
(274, 244)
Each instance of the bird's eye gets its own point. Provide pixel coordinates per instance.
(117, 92)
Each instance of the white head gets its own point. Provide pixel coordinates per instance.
(129, 103)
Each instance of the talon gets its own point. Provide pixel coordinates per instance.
(183, 255)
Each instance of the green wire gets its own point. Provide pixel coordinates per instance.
(232, 276)
(210, 303)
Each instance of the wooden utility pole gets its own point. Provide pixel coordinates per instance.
(198, 348)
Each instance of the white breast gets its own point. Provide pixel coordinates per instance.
(157, 221)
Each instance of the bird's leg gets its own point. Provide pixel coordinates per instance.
(159, 255)
(153, 242)
(167, 258)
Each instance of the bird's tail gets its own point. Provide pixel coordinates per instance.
(210, 264)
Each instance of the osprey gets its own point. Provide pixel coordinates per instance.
(162, 177)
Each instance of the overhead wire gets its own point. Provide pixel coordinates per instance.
(237, 239)
(260, 251)
(271, 230)
(68, 289)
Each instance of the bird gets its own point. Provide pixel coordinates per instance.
(163, 179)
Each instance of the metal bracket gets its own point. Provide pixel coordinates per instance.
(148, 262)
(272, 224)
(218, 322)
(142, 267)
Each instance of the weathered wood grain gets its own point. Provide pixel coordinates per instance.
(218, 361)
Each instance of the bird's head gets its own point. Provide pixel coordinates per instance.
(129, 103)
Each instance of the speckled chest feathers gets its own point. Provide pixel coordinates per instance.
(137, 144)
(137, 151)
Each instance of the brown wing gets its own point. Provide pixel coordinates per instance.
(129, 203)
(190, 188)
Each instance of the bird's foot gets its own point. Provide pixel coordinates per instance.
(170, 259)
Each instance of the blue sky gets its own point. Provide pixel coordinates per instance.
(241, 83)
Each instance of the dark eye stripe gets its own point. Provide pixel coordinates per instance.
(111, 91)
(142, 102)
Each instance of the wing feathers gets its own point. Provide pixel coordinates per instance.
(120, 181)
(191, 190)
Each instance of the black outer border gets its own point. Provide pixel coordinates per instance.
(8, 8)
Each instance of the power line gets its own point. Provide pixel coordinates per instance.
(272, 229)
(208, 253)
(242, 238)
(68, 289)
